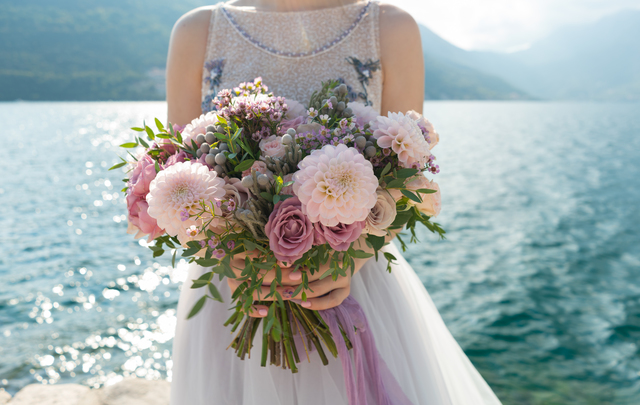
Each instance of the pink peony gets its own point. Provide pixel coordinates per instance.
(140, 223)
(431, 135)
(335, 185)
(272, 146)
(289, 231)
(363, 113)
(339, 237)
(382, 214)
(402, 134)
(198, 126)
(181, 187)
(431, 203)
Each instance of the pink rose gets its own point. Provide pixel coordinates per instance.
(431, 203)
(382, 214)
(142, 175)
(140, 220)
(339, 237)
(173, 159)
(290, 232)
(260, 166)
(272, 146)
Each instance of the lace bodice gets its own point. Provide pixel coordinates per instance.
(294, 51)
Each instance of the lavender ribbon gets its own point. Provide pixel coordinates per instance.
(371, 372)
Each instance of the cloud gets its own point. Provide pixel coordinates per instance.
(505, 25)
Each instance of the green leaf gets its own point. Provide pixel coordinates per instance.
(157, 166)
(406, 173)
(426, 191)
(197, 307)
(244, 165)
(249, 245)
(149, 132)
(118, 165)
(385, 170)
(231, 155)
(215, 293)
(199, 283)
(222, 120)
(159, 125)
(411, 196)
(390, 257)
(173, 258)
(143, 143)
(361, 254)
(266, 196)
(377, 242)
(207, 262)
(220, 136)
(137, 129)
(129, 145)
(178, 136)
(165, 136)
(276, 199)
(397, 183)
(401, 219)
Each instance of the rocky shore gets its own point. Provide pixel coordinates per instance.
(127, 392)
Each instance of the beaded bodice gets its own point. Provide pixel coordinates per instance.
(294, 51)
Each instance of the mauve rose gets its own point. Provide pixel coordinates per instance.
(290, 232)
(173, 159)
(142, 175)
(339, 237)
(140, 219)
(382, 214)
(272, 146)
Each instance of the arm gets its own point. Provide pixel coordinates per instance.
(184, 65)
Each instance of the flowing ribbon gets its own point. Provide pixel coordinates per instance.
(372, 379)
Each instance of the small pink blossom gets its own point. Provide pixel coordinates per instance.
(231, 244)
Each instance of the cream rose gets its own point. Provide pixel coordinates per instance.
(431, 203)
(382, 214)
(272, 146)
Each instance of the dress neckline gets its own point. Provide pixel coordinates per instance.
(247, 9)
(287, 54)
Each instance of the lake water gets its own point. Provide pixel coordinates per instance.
(539, 279)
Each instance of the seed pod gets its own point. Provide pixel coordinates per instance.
(291, 131)
(223, 147)
(205, 148)
(211, 128)
(210, 137)
(341, 106)
(247, 181)
(198, 153)
(342, 89)
(218, 169)
(263, 180)
(220, 158)
(287, 139)
(210, 159)
(370, 151)
(361, 142)
(200, 139)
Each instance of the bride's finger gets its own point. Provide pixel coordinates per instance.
(286, 292)
(324, 286)
(333, 299)
(258, 311)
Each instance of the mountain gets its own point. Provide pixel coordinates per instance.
(597, 61)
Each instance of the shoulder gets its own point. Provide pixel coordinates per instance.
(193, 27)
(397, 27)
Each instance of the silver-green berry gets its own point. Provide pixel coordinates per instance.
(220, 129)
(341, 106)
(368, 143)
(286, 139)
(218, 169)
(198, 153)
(214, 151)
(334, 101)
(200, 139)
(263, 180)
(370, 151)
(210, 137)
(205, 148)
(361, 142)
(211, 128)
(223, 147)
(220, 158)
(210, 159)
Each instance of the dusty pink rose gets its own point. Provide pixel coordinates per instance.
(339, 237)
(431, 203)
(140, 223)
(272, 146)
(290, 232)
(382, 214)
(142, 175)
(431, 136)
(260, 166)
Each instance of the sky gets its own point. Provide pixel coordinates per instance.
(505, 25)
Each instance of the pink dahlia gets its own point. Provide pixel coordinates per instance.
(335, 184)
(427, 128)
(402, 134)
(180, 188)
(363, 113)
(198, 126)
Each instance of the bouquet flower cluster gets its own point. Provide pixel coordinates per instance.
(294, 185)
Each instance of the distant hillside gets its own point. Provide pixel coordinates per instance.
(598, 61)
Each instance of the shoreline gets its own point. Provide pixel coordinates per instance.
(130, 391)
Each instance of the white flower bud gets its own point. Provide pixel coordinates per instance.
(286, 139)
(291, 131)
(263, 180)
(247, 181)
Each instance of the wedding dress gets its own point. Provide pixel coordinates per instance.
(293, 52)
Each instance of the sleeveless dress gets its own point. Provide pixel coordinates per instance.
(293, 52)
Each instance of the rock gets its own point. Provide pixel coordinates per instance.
(135, 392)
(63, 394)
(4, 397)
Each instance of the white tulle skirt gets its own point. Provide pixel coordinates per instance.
(410, 335)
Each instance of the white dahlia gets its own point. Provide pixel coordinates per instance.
(363, 113)
(335, 185)
(198, 126)
(402, 134)
(179, 189)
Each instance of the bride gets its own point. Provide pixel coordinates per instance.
(294, 45)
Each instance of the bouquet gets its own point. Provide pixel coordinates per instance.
(282, 184)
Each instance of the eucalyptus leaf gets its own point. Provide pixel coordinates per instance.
(244, 165)
(406, 173)
(215, 293)
(129, 145)
(117, 165)
(410, 195)
(197, 307)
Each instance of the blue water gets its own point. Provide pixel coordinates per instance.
(539, 279)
